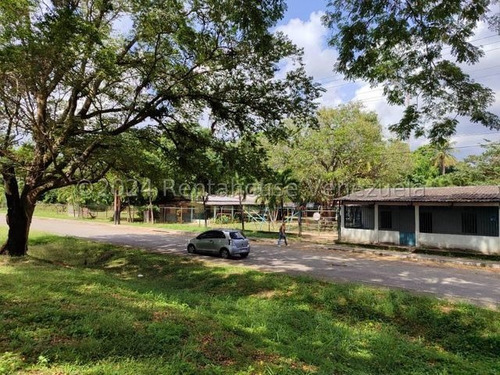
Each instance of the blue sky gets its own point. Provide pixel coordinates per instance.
(302, 23)
(302, 9)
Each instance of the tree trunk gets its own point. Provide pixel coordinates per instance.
(20, 210)
(151, 212)
(117, 207)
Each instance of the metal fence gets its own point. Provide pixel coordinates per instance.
(174, 214)
(313, 221)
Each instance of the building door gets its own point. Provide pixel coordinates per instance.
(407, 238)
(406, 222)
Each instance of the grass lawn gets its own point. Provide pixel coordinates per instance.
(77, 307)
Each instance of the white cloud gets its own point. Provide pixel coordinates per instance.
(312, 36)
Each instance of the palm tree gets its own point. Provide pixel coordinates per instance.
(443, 156)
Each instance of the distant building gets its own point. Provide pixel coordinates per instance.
(464, 218)
(228, 206)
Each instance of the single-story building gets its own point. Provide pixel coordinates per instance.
(225, 205)
(464, 218)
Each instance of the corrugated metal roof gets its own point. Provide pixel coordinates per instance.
(460, 194)
(225, 200)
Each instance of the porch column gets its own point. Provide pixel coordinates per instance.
(341, 222)
(417, 224)
(375, 229)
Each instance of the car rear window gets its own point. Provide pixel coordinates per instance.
(237, 235)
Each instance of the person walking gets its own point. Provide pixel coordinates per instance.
(282, 234)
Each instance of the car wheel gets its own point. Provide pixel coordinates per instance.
(224, 253)
(191, 249)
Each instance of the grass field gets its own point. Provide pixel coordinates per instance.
(76, 307)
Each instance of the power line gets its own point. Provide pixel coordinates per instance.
(384, 152)
(473, 40)
(370, 99)
(485, 37)
(478, 70)
(327, 85)
(478, 134)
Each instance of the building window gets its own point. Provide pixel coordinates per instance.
(352, 217)
(469, 223)
(385, 220)
(491, 227)
(426, 222)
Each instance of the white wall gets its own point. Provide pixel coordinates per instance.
(370, 236)
(483, 244)
(388, 236)
(358, 235)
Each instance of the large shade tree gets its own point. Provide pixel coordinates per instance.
(417, 50)
(75, 75)
(344, 152)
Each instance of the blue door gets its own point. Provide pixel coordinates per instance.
(407, 238)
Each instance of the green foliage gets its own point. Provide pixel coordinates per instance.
(278, 188)
(223, 219)
(344, 152)
(443, 157)
(83, 309)
(425, 169)
(396, 163)
(486, 165)
(86, 97)
(482, 169)
(404, 46)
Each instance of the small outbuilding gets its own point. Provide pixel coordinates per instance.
(465, 218)
(221, 206)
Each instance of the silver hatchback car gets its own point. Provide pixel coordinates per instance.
(224, 242)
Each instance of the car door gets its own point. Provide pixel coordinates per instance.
(204, 241)
(213, 241)
(220, 241)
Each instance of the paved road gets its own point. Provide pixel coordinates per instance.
(479, 286)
